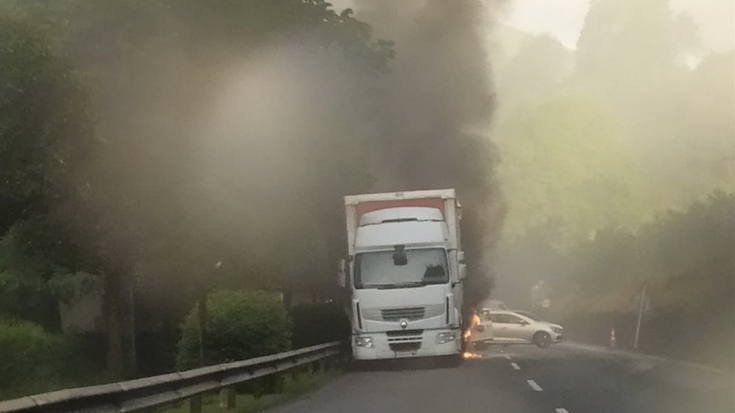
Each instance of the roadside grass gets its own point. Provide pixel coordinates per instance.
(248, 403)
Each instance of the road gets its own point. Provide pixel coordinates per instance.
(525, 379)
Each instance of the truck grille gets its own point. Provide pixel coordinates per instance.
(396, 314)
(405, 346)
(405, 333)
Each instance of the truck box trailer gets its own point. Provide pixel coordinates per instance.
(404, 272)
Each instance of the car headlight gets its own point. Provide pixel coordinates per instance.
(442, 338)
(557, 330)
(364, 341)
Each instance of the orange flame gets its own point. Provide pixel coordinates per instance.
(467, 334)
(468, 355)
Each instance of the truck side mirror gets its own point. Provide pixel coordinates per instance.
(342, 274)
(460, 257)
(462, 271)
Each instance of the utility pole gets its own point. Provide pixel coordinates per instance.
(641, 307)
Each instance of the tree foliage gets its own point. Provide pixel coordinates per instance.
(45, 127)
(641, 127)
(36, 361)
(565, 161)
(241, 325)
(620, 174)
(684, 256)
(26, 360)
(45, 133)
(203, 133)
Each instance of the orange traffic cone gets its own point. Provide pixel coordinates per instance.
(613, 340)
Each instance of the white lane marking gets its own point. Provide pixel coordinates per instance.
(561, 410)
(507, 357)
(515, 366)
(534, 385)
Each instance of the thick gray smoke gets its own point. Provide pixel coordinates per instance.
(437, 98)
(239, 148)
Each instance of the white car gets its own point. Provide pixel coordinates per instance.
(508, 327)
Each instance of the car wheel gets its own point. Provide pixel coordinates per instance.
(542, 339)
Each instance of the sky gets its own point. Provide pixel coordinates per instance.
(561, 18)
(564, 19)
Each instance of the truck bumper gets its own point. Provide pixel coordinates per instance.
(397, 345)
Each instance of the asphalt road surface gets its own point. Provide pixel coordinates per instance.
(525, 379)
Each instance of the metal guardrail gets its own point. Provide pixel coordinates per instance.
(151, 392)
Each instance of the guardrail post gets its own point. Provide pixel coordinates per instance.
(316, 367)
(279, 385)
(231, 398)
(345, 357)
(295, 372)
(195, 403)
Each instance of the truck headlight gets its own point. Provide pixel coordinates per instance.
(442, 338)
(364, 341)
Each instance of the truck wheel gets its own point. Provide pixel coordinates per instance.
(542, 339)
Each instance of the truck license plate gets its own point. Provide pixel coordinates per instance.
(407, 353)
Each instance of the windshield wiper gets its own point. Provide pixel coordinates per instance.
(394, 286)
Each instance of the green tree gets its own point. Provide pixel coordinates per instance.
(535, 73)
(45, 128)
(684, 256)
(564, 160)
(638, 54)
(45, 135)
(171, 191)
(242, 325)
(27, 362)
(633, 43)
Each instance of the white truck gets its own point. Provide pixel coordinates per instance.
(404, 273)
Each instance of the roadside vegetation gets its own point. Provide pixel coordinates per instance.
(619, 172)
(171, 175)
(128, 202)
(240, 325)
(293, 387)
(157, 153)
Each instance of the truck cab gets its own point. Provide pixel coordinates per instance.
(404, 274)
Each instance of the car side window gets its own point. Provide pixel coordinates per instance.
(500, 318)
(514, 320)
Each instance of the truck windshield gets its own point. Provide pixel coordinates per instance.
(378, 269)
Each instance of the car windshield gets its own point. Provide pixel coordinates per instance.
(380, 270)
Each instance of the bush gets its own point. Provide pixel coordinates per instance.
(240, 325)
(319, 323)
(35, 361)
(27, 363)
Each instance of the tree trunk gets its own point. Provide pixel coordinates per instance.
(203, 315)
(114, 324)
(287, 298)
(128, 300)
